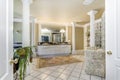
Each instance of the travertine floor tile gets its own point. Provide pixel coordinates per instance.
(73, 71)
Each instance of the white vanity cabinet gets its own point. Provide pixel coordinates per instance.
(54, 50)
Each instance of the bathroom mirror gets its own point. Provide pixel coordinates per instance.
(52, 33)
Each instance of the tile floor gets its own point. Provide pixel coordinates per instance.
(74, 71)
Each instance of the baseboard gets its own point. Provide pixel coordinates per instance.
(81, 52)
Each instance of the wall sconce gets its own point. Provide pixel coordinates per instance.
(62, 31)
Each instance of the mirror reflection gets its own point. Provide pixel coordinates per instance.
(55, 34)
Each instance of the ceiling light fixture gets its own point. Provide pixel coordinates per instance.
(88, 2)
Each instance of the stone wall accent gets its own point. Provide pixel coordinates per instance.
(95, 62)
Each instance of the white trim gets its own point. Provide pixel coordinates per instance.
(4, 76)
(61, 24)
(64, 24)
(96, 21)
(78, 25)
(53, 23)
(20, 20)
(73, 37)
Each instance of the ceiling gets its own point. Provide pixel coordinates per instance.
(52, 27)
(61, 11)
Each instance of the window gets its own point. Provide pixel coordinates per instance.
(45, 38)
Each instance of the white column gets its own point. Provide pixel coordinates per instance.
(26, 23)
(92, 27)
(33, 35)
(66, 33)
(62, 35)
(32, 31)
(73, 37)
(26, 26)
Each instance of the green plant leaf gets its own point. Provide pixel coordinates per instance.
(23, 54)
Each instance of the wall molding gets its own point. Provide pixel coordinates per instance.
(78, 25)
(60, 24)
(96, 21)
(21, 20)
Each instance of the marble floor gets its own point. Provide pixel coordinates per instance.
(73, 71)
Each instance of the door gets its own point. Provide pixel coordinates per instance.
(112, 39)
(6, 39)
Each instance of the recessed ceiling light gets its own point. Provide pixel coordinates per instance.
(88, 2)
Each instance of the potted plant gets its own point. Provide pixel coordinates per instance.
(24, 56)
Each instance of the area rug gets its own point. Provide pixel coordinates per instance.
(58, 60)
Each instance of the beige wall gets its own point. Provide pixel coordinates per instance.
(86, 38)
(79, 38)
(70, 34)
(36, 34)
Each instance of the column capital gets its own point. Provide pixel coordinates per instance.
(73, 24)
(27, 1)
(92, 12)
